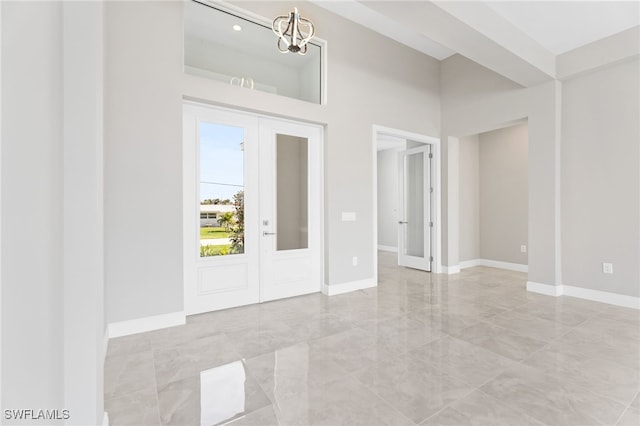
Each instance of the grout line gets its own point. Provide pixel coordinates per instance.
(628, 407)
(516, 409)
(360, 328)
(370, 389)
(155, 380)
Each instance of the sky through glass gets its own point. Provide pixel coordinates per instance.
(221, 161)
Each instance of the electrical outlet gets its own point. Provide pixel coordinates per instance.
(354, 261)
(523, 249)
(607, 268)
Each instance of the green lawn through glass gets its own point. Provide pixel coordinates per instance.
(208, 233)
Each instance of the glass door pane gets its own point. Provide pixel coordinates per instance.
(414, 205)
(221, 190)
(292, 200)
(414, 188)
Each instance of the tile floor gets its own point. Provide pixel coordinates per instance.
(469, 349)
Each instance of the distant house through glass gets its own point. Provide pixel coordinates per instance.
(221, 190)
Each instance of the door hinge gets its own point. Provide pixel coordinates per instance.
(431, 190)
(430, 258)
(430, 224)
(430, 155)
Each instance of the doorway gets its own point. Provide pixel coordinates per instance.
(252, 208)
(407, 197)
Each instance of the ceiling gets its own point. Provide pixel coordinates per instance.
(360, 13)
(518, 39)
(560, 26)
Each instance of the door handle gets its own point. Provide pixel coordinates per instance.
(265, 233)
(400, 222)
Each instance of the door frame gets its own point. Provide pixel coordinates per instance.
(189, 171)
(436, 234)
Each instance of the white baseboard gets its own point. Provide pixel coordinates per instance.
(518, 267)
(455, 269)
(602, 296)
(140, 325)
(332, 290)
(547, 289)
(105, 419)
(585, 293)
(469, 263)
(388, 248)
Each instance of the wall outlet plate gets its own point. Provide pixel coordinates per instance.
(523, 249)
(354, 261)
(607, 268)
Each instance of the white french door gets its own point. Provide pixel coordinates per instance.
(252, 208)
(220, 159)
(415, 223)
(290, 207)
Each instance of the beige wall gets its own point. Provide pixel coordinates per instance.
(53, 325)
(145, 87)
(450, 203)
(32, 177)
(503, 198)
(469, 193)
(143, 159)
(476, 100)
(582, 170)
(601, 180)
(493, 195)
(33, 338)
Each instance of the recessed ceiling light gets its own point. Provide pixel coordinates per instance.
(237, 27)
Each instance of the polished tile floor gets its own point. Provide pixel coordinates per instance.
(469, 349)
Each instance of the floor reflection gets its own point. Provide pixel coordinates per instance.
(419, 348)
(222, 395)
(291, 383)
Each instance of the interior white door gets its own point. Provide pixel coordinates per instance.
(221, 209)
(252, 208)
(415, 223)
(290, 205)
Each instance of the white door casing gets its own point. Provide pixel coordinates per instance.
(436, 197)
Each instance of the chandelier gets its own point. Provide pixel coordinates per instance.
(297, 33)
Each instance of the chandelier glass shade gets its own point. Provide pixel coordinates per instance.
(293, 31)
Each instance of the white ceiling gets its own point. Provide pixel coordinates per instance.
(358, 12)
(560, 26)
(557, 26)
